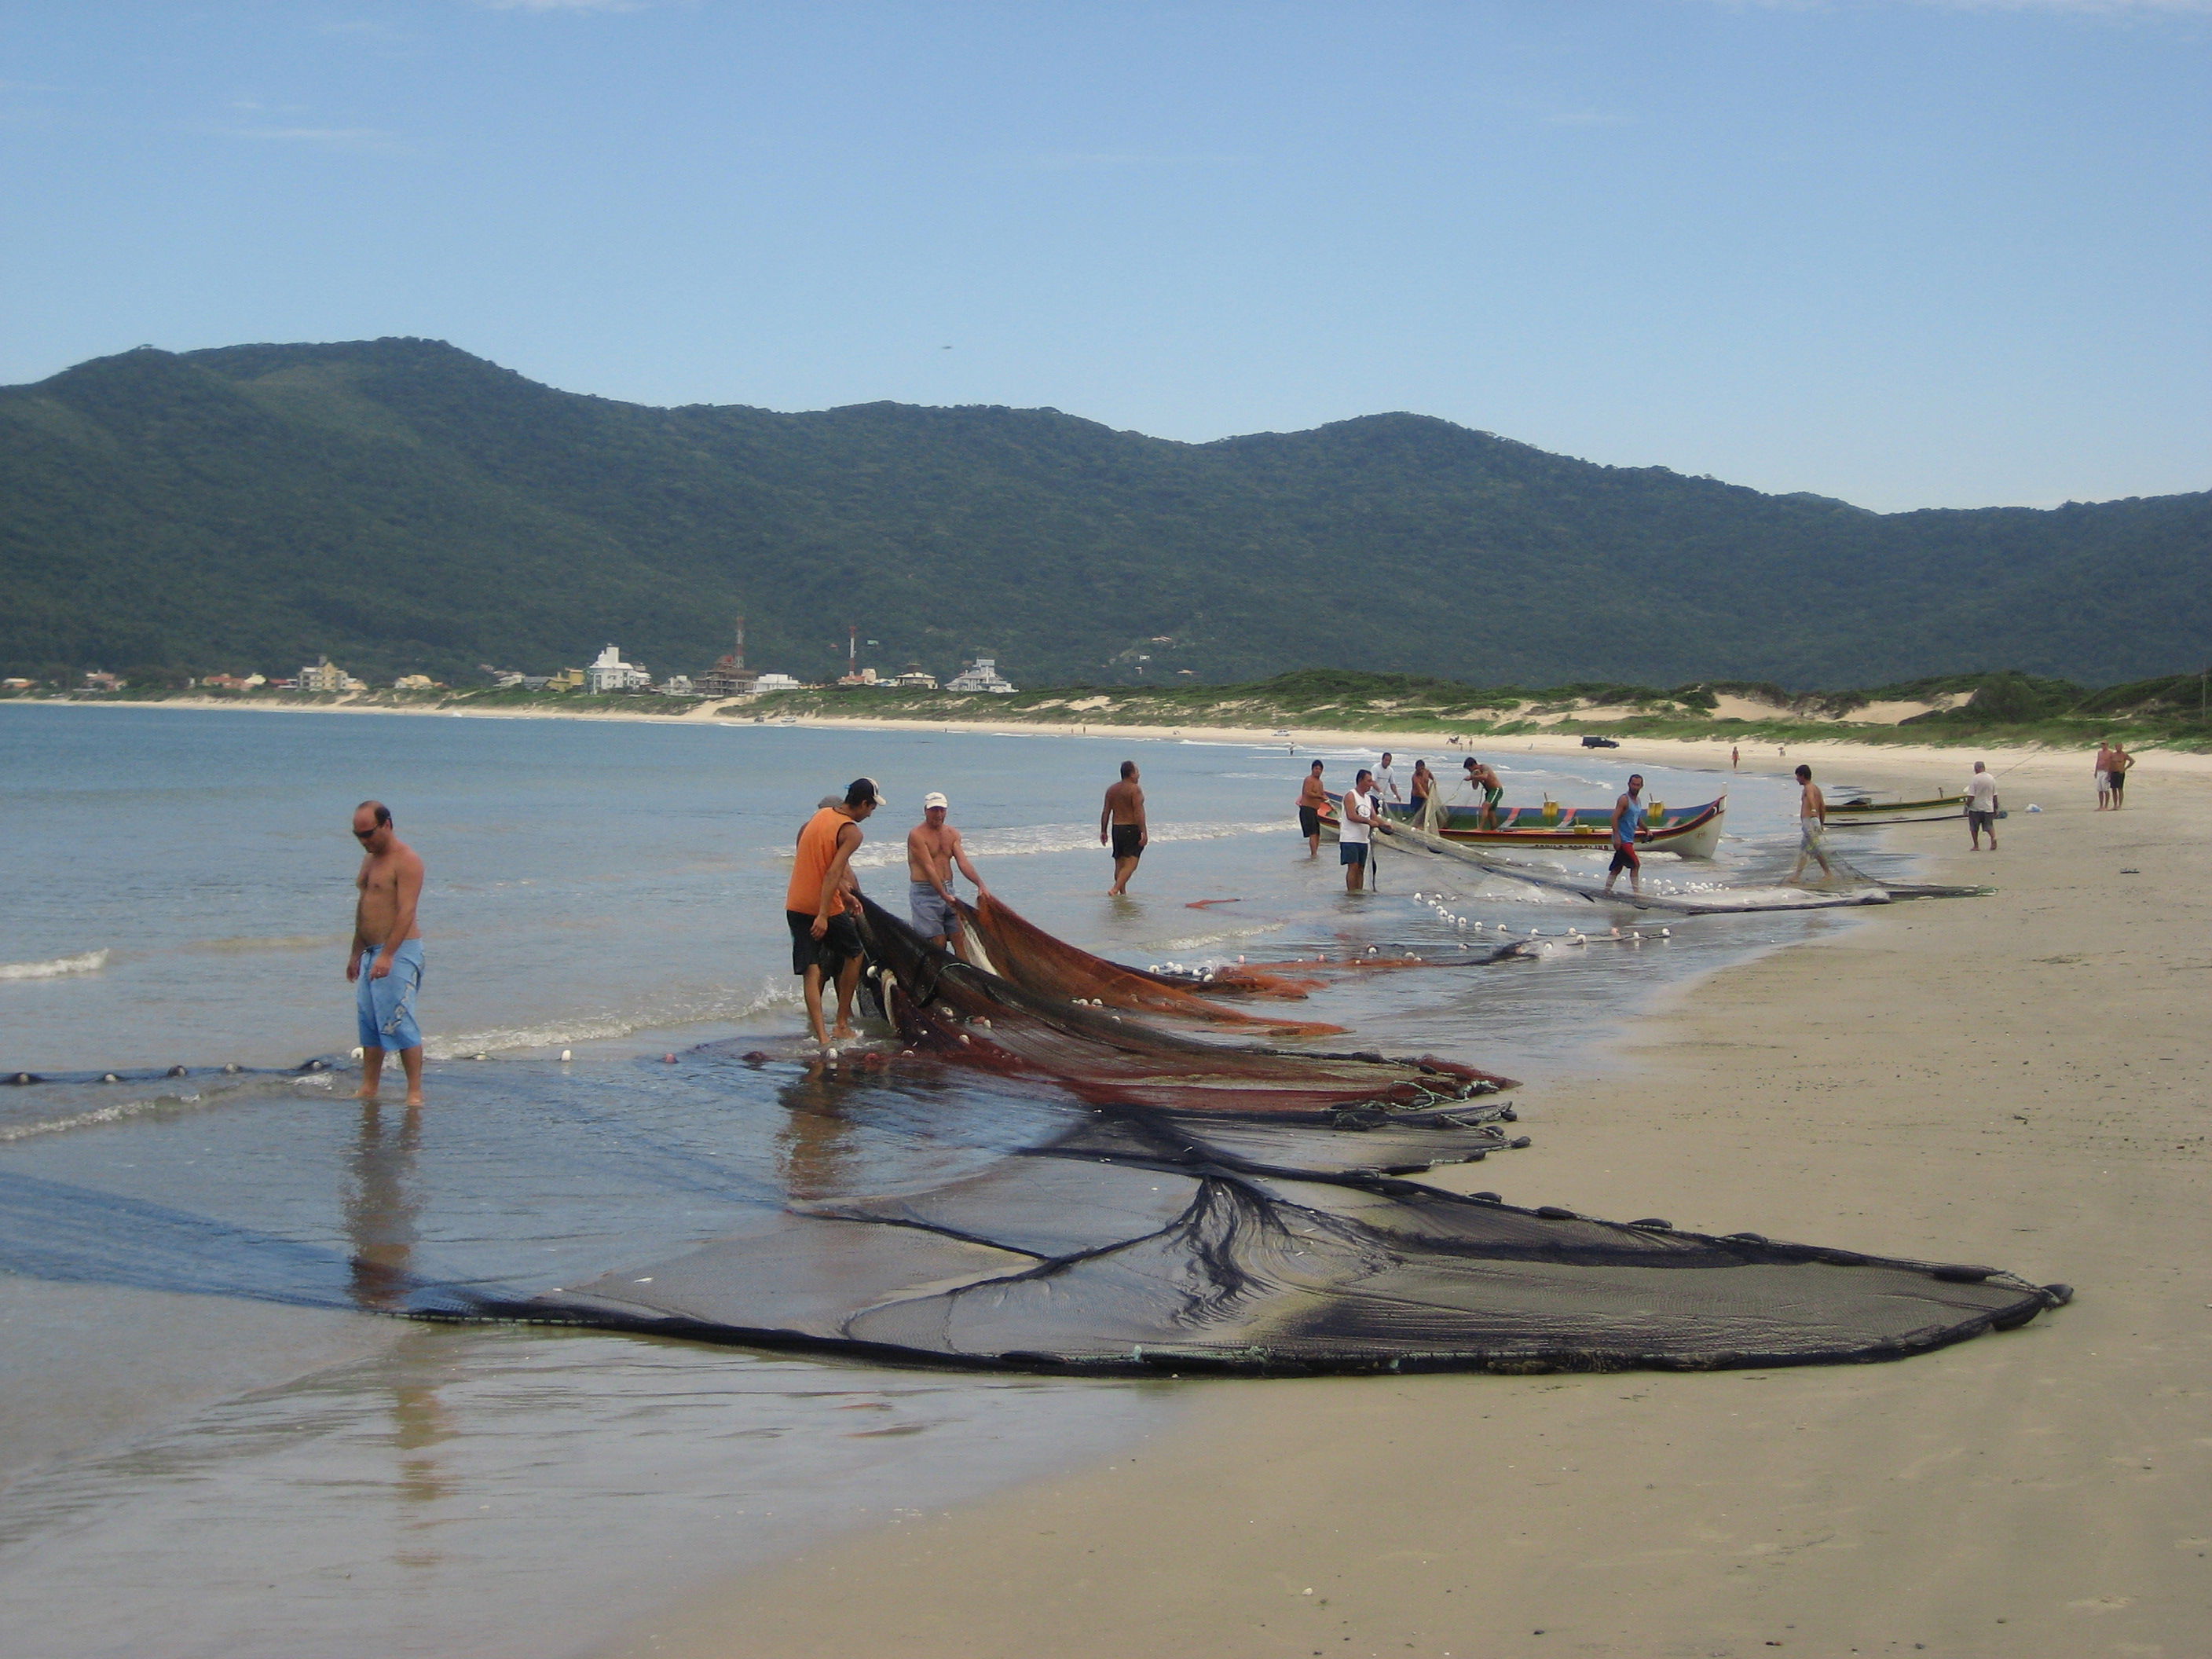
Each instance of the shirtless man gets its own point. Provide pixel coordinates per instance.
(1812, 819)
(390, 883)
(1313, 799)
(1124, 816)
(2104, 775)
(820, 907)
(2116, 776)
(932, 848)
(1484, 782)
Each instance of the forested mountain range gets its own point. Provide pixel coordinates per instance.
(402, 506)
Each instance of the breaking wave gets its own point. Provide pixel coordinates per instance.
(1053, 838)
(91, 962)
(731, 1004)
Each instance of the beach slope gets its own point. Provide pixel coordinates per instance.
(2019, 1080)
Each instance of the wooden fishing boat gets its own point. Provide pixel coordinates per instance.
(1689, 832)
(1866, 810)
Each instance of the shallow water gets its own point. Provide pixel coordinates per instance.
(221, 1444)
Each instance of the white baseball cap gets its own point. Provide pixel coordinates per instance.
(932, 799)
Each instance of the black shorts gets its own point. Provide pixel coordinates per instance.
(1128, 841)
(1981, 821)
(1309, 821)
(838, 945)
(1623, 858)
(2118, 780)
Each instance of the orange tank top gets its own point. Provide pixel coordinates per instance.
(817, 847)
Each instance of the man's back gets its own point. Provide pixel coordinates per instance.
(1126, 801)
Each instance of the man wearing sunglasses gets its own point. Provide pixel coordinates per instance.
(386, 961)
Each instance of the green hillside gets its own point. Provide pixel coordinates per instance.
(402, 507)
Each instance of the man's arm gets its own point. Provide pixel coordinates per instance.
(1137, 805)
(849, 838)
(1105, 816)
(407, 881)
(960, 858)
(1820, 803)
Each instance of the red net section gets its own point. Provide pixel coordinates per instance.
(966, 1013)
(1019, 951)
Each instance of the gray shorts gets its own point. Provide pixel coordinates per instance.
(931, 914)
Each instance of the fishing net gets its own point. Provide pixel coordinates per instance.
(958, 1011)
(1854, 887)
(998, 939)
(1113, 1250)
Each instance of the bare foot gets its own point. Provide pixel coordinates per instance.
(843, 1033)
(364, 1094)
(414, 1099)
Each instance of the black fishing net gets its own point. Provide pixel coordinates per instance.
(1117, 1249)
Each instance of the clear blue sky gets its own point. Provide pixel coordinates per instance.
(1910, 252)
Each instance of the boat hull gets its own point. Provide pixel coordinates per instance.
(1688, 832)
(1868, 814)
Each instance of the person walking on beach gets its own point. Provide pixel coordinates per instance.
(1123, 818)
(1358, 812)
(1313, 797)
(1982, 807)
(385, 963)
(1627, 820)
(2115, 773)
(2104, 775)
(932, 848)
(820, 908)
(1735, 758)
(1386, 777)
(1812, 821)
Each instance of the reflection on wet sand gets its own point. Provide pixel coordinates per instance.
(382, 1213)
(815, 1144)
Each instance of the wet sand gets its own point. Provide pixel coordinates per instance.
(2018, 1080)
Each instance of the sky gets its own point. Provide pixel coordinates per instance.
(1905, 253)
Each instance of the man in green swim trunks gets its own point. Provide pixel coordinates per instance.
(1484, 782)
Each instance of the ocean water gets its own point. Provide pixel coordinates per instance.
(216, 1440)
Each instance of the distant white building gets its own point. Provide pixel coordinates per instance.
(414, 682)
(323, 676)
(676, 685)
(980, 675)
(608, 672)
(767, 683)
(914, 679)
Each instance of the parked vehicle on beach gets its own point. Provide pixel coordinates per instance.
(1591, 740)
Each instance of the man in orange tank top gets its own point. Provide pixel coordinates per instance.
(825, 935)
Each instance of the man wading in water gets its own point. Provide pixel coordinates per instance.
(1313, 800)
(384, 931)
(1627, 821)
(825, 933)
(1812, 819)
(932, 848)
(1124, 815)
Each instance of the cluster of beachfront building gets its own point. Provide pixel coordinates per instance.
(606, 673)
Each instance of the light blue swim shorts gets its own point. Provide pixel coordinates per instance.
(385, 1008)
(932, 916)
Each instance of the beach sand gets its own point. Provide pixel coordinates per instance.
(2017, 1080)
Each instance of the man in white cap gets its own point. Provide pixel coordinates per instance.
(932, 848)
